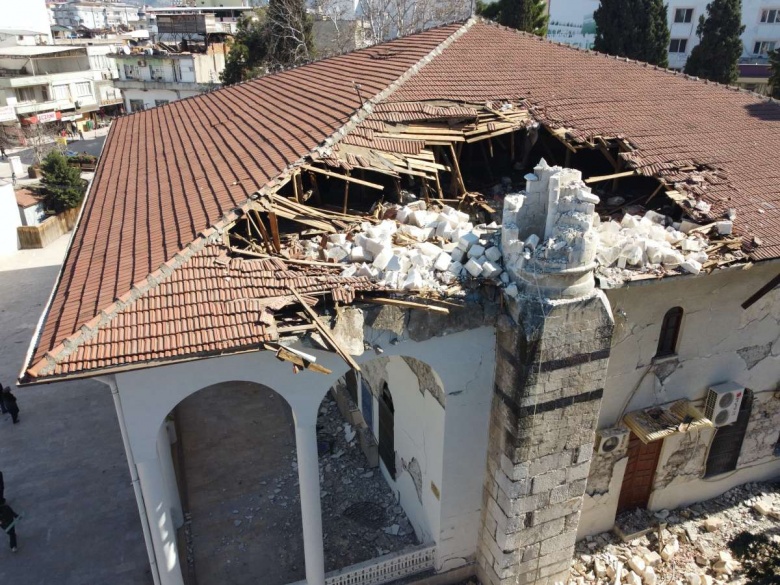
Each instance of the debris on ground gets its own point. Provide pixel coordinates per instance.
(361, 517)
(730, 539)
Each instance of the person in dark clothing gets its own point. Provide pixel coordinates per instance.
(3, 409)
(8, 520)
(2, 489)
(10, 404)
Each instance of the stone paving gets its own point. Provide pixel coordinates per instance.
(63, 464)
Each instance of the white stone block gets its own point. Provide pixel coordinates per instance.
(531, 242)
(383, 257)
(366, 270)
(473, 268)
(725, 227)
(350, 270)
(413, 280)
(458, 254)
(493, 254)
(467, 240)
(691, 245)
(429, 249)
(476, 251)
(402, 215)
(442, 262)
(339, 239)
(374, 246)
(359, 254)
(455, 268)
(490, 270)
(691, 266)
(511, 290)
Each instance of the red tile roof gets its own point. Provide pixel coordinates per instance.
(210, 304)
(26, 198)
(670, 120)
(167, 174)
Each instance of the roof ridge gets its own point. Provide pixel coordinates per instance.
(646, 64)
(89, 329)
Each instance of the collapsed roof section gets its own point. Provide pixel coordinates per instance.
(458, 115)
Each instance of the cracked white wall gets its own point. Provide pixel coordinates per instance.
(718, 341)
(418, 442)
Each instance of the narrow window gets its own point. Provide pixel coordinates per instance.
(727, 442)
(387, 430)
(670, 331)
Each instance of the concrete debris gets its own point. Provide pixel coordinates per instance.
(666, 554)
(423, 248)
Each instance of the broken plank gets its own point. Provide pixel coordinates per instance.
(601, 178)
(325, 332)
(285, 354)
(343, 177)
(405, 304)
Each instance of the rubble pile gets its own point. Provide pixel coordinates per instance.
(715, 542)
(361, 517)
(421, 248)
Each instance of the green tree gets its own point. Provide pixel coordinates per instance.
(636, 29)
(716, 56)
(269, 39)
(774, 76)
(63, 186)
(527, 15)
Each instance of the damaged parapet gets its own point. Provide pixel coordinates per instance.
(548, 237)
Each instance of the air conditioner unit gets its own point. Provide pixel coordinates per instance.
(611, 440)
(722, 403)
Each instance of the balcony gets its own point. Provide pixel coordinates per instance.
(31, 107)
(159, 84)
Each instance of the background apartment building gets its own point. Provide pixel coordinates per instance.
(571, 22)
(96, 15)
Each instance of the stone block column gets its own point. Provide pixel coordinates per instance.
(552, 351)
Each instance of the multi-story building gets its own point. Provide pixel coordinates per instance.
(153, 77)
(29, 26)
(96, 15)
(40, 84)
(571, 22)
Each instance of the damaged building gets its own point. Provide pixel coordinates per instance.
(526, 286)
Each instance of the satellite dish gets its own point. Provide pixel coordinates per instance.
(125, 49)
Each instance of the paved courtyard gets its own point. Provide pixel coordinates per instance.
(64, 465)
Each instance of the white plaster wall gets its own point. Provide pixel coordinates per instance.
(714, 329)
(31, 15)
(32, 215)
(9, 220)
(464, 362)
(418, 426)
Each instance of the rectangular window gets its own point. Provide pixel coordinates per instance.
(763, 47)
(156, 71)
(25, 94)
(678, 45)
(60, 92)
(83, 89)
(770, 16)
(683, 15)
(159, 103)
(136, 105)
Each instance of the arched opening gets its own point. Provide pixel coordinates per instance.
(670, 332)
(237, 476)
(381, 438)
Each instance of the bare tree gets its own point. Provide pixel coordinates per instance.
(42, 139)
(336, 30)
(290, 33)
(387, 19)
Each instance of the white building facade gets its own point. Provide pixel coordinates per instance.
(96, 15)
(571, 22)
(154, 80)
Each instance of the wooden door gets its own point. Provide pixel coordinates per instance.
(387, 430)
(640, 471)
